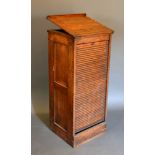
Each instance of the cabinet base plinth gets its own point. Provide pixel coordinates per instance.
(83, 136)
(89, 134)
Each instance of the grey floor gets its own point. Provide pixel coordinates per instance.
(45, 142)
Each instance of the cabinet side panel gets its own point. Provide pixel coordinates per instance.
(61, 84)
(90, 91)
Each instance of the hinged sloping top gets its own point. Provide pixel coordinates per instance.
(78, 24)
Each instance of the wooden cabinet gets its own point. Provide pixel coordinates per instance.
(79, 56)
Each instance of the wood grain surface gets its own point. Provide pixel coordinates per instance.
(79, 62)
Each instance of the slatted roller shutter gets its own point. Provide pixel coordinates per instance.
(90, 92)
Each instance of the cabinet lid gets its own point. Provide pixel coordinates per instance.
(78, 24)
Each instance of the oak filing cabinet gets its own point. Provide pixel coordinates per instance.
(79, 59)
